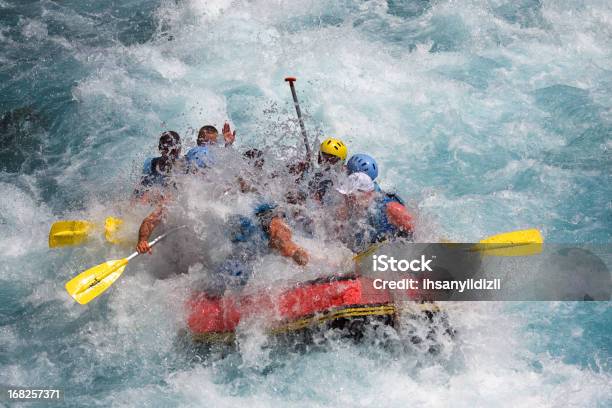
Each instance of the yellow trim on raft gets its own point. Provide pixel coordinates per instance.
(337, 314)
(348, 312)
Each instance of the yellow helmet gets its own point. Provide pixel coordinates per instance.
(335, 147)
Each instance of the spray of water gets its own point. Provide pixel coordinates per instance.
(486, 116)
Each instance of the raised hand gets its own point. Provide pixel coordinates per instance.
(228, 135)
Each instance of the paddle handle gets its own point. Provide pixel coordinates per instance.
(156, 240)
(291, 80)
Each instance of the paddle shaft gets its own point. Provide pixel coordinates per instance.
(155, 241)
(291, 80)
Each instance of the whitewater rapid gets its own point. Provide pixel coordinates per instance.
(487, 116)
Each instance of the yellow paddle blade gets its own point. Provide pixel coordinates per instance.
(516, 243)
(89, 284)
(111, 227)
(64, 233)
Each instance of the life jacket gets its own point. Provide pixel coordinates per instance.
(377, 227)
(199, 157)
(379, 220)
(251, 230)
(151, 177)
(148, 168)
(243, 229)
(249, 241)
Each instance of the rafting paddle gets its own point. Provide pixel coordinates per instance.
(291, 80)
(111, 228)
(91, 283)
(65, 233)
(514, 243)
(76, 232)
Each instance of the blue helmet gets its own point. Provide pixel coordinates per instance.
(200, 156)
(363, 163)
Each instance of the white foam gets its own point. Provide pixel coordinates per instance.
(426, 116)
(25, 222)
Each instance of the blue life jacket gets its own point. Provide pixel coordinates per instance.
(199, 157)
(151, 167)
(243, 229)
(379, 227)
(147, 168)
(249, 238)
(251, 231)
(151, 177)
(379, 221)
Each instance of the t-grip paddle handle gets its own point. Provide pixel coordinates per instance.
(291, 80)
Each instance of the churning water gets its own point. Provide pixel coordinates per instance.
(486, 115)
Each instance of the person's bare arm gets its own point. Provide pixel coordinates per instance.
(280, 238)
(400, 217)
(146, 229)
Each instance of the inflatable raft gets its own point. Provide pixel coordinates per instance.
(347, 302)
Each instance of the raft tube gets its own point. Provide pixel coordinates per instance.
(323, 302)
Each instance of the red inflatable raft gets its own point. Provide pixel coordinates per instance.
(304, 306)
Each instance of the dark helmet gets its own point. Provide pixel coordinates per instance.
(170, 144)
